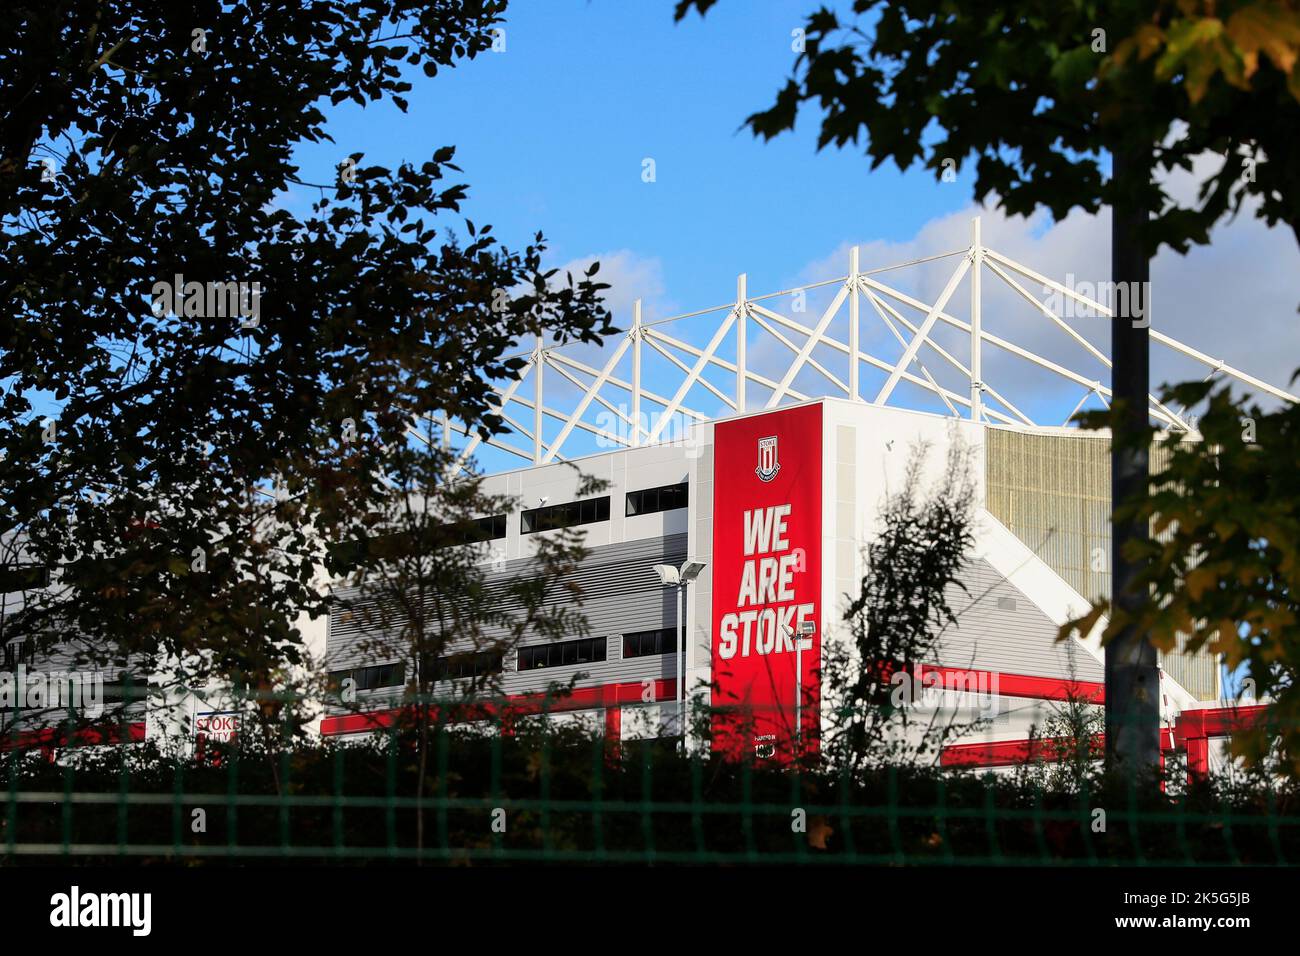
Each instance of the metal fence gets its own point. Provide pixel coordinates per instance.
(562, 796)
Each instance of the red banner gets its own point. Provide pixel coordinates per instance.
(767, 527)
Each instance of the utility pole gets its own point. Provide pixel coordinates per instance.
(1132, 677)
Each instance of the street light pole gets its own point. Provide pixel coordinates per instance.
(681, 660)
(805, 627)
(798, 695)
(670, 576)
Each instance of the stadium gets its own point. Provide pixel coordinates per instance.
(739, 539)
(724, 546)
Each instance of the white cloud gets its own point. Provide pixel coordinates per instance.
(1234, 300)
(630, 277)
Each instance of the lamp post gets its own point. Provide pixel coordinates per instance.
(669, 577)
(802, 642)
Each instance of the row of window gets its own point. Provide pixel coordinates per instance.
(474, 530)
(555, 517)
(375, 677)
(347, 554)
(24, 577)
(450, 667)
(651, 500)
(26, 650)
(649, 643)
(460, 666)
(126, 688)
(590, 510)
(585, 650)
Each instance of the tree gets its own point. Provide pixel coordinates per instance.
(1062, 755)
(875, 691)
(415, 578)
(1038, 95)
(1224, 569)
(196, 383)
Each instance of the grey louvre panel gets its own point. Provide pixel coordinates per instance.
(999, 629)
(620, 594)
(93, 668)
(1053, 492)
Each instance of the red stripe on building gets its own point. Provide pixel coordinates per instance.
(1192, 731)
(1194, 728)
(50, 737)
(608, 696)
(1007, 753)
(1016, 685)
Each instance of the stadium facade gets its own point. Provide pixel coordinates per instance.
(775, 508)
(761, 508)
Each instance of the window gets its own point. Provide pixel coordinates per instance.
(127, 689)
(24, 577)
(474, 530)
(371, 678)
(584, 651)
(648, 643)
(554, 517)
(348, 554)
(458, 666)
(650, 500)
(24, 650)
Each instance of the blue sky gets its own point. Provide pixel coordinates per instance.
(552, 134)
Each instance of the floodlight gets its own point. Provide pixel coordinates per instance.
(668, 575)
(691, 570)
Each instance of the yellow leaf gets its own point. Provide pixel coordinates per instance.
(1083, 625)
(819, 831)
(1225, 529)
(1269, 28)
(1147, 38)
(1199, 581)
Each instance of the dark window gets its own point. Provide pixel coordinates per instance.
(648, 643)
(489, 528)
(348, 554)
(24, 577)
(459, 666)
(25, 650)
(127, 689)
(649, 500)
(554, 517)
(583, 651)
(371, 678)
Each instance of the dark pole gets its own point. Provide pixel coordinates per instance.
(681, 657)
(1132, 677)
